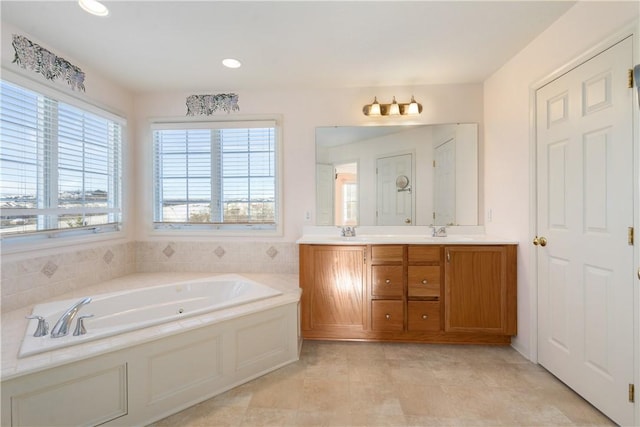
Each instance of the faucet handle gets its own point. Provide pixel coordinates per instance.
(43, 327)
(80, 329)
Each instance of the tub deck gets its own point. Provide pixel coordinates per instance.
(14, 322)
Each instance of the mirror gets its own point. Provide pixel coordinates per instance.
(397, 175)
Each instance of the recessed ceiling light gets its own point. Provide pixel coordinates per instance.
(93, 7)
(231, 63)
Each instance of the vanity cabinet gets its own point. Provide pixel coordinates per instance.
(409, 292)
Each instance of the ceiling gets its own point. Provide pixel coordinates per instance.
(148, 46)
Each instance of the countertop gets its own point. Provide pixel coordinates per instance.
(415, 235)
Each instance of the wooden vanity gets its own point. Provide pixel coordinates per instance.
(440, 293)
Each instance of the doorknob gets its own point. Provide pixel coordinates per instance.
(542, 241)
(407, 221)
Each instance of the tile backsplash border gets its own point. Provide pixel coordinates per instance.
(31, 280)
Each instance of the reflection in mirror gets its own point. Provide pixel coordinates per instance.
(397, 175)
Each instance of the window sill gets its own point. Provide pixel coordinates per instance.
(16, 245)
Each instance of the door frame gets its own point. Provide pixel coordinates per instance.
(632, 30)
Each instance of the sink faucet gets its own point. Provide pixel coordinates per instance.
(348, 232)
(61, 327)
(439, 232)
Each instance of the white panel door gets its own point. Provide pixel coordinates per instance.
(585, 206)
(394, 205)
(444, 194)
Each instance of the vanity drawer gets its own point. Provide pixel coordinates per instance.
(386, 281)
(393, 253)
(387, 315)
(424, 281)
(424, 253)
(423, 315)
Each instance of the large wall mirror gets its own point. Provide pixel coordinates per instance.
(397, 175)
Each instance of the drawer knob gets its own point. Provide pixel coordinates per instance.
(424, 281)
(425, 317)
(387, 316)
(388, 281)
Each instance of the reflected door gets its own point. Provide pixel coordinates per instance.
(585, 206)
(394, 188)
(444, 191)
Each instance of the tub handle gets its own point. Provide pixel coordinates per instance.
(43, 327)
(80, 329)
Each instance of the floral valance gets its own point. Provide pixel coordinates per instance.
(208, 104)
(34, 57)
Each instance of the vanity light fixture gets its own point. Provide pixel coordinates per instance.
(93, 7)
(393, 109)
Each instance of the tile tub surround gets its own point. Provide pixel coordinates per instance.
(218, 257)
(393, 384)
(30, 280)
(14, 322)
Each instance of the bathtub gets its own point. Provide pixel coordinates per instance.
(119, 312)
(195, 339)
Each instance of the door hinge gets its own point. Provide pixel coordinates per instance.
(630, 78)
(434, 163)
(632, 393)
(630, 236)
(434, 215)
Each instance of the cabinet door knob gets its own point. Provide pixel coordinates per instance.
(387, 316)
(424, 281)
(387, 281)
(425, 317)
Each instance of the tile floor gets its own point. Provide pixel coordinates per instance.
(389, 384)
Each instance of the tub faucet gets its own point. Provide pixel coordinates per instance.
(61, 327)
(439, 232)
(348, 231)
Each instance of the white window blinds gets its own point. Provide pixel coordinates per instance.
(59, 165)
(223, 174)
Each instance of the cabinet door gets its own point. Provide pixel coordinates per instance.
(480, 289)
(332, 280)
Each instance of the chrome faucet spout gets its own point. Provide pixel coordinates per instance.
(439, 232)
(61, 327)
(348, 231)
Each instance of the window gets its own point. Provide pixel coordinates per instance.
(216, 175)
(59, 165)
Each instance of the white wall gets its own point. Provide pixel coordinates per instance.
(301, 111)
(507, 132)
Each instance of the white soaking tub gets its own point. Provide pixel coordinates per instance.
(124, 311)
